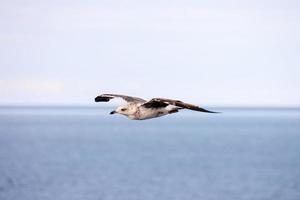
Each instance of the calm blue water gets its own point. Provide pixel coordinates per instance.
(85, 153)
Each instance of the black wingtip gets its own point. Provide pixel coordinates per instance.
(212, 112)
(215, 112)
(102, 99)
(208, 111)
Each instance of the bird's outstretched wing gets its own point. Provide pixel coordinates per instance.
(107, 97)
(161, 102)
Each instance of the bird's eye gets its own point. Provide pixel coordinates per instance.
(123, 109)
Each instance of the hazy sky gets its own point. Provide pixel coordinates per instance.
(206, 52)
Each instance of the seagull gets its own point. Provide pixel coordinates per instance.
(140, 109)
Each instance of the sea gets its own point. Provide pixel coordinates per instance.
(83, 153)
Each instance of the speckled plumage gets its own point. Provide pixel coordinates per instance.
(140, 109)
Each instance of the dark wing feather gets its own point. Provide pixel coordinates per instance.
(161, 102)
(107, 97)
(153, 103)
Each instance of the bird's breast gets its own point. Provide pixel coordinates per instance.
(147, 113)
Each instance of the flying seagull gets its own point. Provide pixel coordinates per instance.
(140, 109)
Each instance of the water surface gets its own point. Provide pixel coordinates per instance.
(74, 153)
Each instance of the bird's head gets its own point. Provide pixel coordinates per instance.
(123, 110)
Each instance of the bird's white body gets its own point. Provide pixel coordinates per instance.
(136, 111)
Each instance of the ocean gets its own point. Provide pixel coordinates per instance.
(76, 153)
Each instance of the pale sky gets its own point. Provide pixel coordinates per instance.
(214, 53)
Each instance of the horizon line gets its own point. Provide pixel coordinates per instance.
(113, 105)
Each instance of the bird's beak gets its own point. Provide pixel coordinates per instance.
(112, 112)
